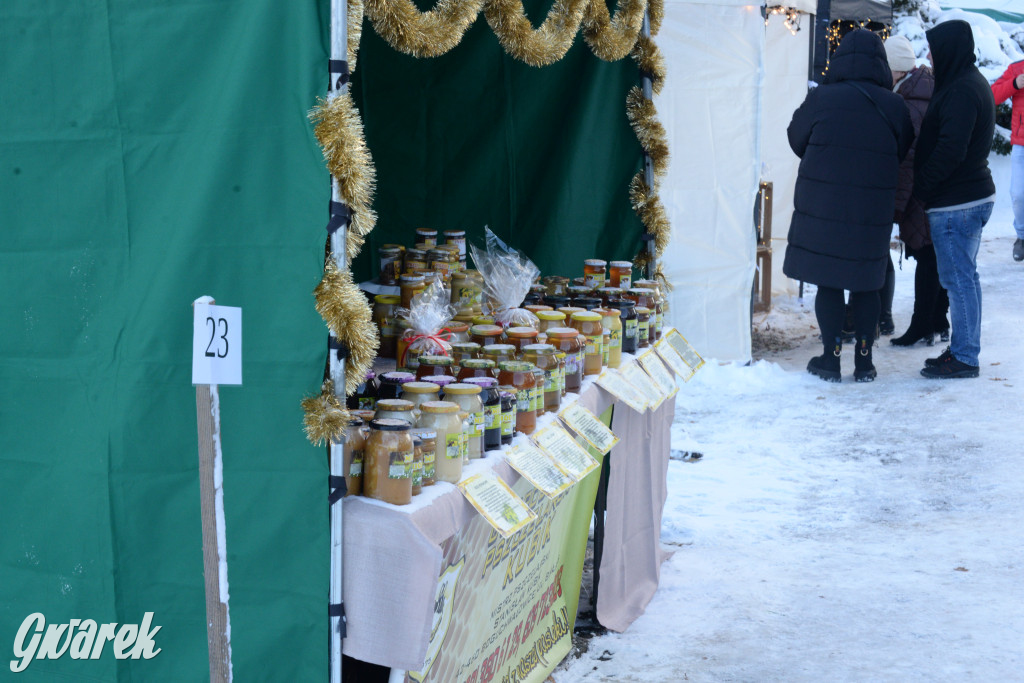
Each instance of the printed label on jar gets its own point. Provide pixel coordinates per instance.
(658, 319)
(606, 351)
(595, 344)
(643, 331)
(367, 403)
(625, 282)
(355, 468)
(631, 326)
(561, 377)
(478, 425)
(492, 416)
(551, 380)
(523, 400)
(507, 420)
(594, 281)
(417, 473)
(572, 365)
(616, 339)
(400, 465)
(537, 398)
(464, 444)
(453, 445)
(428, 463)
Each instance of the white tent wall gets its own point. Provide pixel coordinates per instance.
(710, 109)
(786, 62)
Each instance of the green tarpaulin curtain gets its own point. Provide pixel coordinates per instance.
(154, 152)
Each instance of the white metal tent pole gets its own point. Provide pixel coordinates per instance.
(648, 92)
(338, 233)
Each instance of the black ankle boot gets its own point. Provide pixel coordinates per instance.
(863, 368)
(826, 366)
(913, 335)
(886, 326)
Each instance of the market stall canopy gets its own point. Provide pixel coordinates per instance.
(859, 10)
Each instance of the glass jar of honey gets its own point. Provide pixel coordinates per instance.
(428, 441)
(394, 409)
(485, 335)
(457, 238)
(410, 285)
(611, 319)
(384, 315)
(507, 394)
(459, 331)
(543, 356)
(443, 261)
(463, 351)
(519, 374)
(476, 367)
(467, 397)
(594, 273)
(415, 259)
(390, 263)
(491, 398)
(537, 393)
(566, 340)
(419, 393)
(467, 292)
(555, 285)
(499, 353)
(537, 308)
(627, 313)
(620, 274)
(520, 337)
(609, 293)
(387, 462)
(643, 327)
(442, 417)
(355, 444)
(426, 237)
(590, 326)
(640, 296)
(659, 303)
(434, 365)
(550, 319)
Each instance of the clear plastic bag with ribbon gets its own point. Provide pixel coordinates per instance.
(508, 274)
(427, 335)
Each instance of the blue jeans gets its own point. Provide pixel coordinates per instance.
(957, 236)
(1017, 189)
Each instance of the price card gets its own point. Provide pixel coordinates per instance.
(216, 344)
(539, 469)
(587, 425)
(665, 380)
(499, 505)
(614, 383)
(685, 351)
(673, 359)
(564, 449)
(642, 381)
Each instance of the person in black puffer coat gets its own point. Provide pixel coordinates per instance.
(851, 133)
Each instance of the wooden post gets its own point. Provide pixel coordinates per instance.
(211, 498)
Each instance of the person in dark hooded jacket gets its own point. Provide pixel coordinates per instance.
(953, 181)
(851, 134)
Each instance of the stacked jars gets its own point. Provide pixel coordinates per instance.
(419, 393)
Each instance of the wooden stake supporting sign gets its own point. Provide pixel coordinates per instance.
(216, 359)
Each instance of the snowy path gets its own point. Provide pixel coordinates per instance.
(850, 532)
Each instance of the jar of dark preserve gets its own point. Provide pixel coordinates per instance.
(587, 302)
(391, 384)
(365, 397)
(491, 397)
(508, 414)
(629, 323)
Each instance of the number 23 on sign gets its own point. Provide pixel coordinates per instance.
(216, 343)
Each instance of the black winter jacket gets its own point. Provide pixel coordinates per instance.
(951, 162)
(916, 90)
(850, 156)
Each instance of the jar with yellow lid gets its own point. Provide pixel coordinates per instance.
(620, 274)
(520, 337)
(589, 324)
(543, 357)
(643, 327)
(476, 367)
(611, 319)
(426, 236)
(537, 308)
(442, 417)
(434, 365)
(594, 273)
(387, 462)
(390, 263)
(483, 320)
(499, 353)
(428, 439)
(463, 351)
(394, 409)
(486, 335)
(467, 397)
(519, 374)
(419, 393)
(566, 340)
(569, 310)
(385, 307)
(550, 319)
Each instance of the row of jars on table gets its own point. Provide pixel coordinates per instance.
(444, 253)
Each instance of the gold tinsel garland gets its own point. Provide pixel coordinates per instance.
(354, 32)
(422, 34)
(643, 117)
(343, 307)
(610, 38)
(656, 9)
(325, 418)
(340, 132)
(649, 208)
(541, 46)
(649, 60)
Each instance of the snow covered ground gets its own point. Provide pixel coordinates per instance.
(844, 532)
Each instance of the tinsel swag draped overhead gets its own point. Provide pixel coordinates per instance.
(429, 34)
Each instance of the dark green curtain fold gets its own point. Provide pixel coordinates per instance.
(151, 153)
(543, 156)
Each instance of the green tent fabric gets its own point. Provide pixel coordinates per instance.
(151, 153)
(543, 156)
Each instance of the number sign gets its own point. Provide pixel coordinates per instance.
(216, 344)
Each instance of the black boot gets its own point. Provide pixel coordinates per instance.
(863, 368)
(915, 333)
(826, 366)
